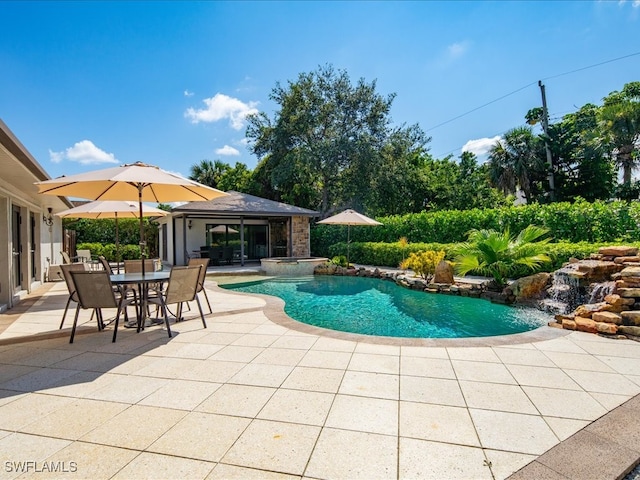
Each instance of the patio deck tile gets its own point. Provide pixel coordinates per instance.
(601, 382)
(265, 400)
(371, 415)
(314, 379)
(202, 436)
(180, 394)
(280, 356)
(513, 432)
(237, 400)
(542, 377)
(323, 359)
(482, 371)
(151, 466)
(427, 367)
(275, 446)
(74, 419)
(297, 406)
(376, 363)
(574, 404)
(353, 455)
(431, 390)
(368, 384)
(136, 428)
(232, 472)
(261, 375)
(29, 408)
(434, 461)
(438, 423)
(496, 396)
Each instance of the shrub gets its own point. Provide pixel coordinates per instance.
(501, 255)
(340, 260)
(423, 263)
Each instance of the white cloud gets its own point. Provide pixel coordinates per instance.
(85, 153)
(227, 150)
(187, 93)
(458, 49)
(220, 107)
(480, 146)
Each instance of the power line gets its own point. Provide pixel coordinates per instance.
(522, 88)
(592, 66)
(478, 108)
(527, 86)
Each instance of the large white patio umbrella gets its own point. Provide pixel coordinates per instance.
(112, 209)
(349, 217)
(136, 181)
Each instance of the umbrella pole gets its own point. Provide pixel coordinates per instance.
(142, 242)
(117, 245)
(348, 243)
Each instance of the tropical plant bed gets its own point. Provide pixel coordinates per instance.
(472, 288)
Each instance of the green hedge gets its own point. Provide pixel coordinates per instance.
(127, 252)
(391, 254)
(580, 221)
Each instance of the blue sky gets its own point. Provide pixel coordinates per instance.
(86, 85)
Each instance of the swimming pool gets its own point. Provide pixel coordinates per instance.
(372, 306)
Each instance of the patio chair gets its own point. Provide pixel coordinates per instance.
(105, 265)
(67, 260)
(181, 288)
(67, 268)
(227, 255)
(204, 262)
(135, 266)
(95, 291)
(124, 289)
(83, 255)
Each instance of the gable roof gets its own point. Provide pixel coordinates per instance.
(236, 203)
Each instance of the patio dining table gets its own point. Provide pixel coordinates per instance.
(143, 281)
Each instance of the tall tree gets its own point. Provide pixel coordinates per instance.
(583, 167)
(325, 141)
(514, 162)
(236, 178)
(620, 120)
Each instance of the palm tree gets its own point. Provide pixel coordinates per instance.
(512, 160)
(500, 255)
(209, 173)
(620, 120)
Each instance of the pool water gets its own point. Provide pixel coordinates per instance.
(372, 306)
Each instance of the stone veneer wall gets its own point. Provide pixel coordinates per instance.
(301, 237)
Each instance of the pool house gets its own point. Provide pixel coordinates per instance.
(235, 229)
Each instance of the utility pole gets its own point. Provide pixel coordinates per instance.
(545, 129)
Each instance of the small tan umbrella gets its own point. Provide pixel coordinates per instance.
(349, 217)
(136, 181)
(112, 209)
(223, 229)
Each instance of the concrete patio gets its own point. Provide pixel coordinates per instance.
(256, 395)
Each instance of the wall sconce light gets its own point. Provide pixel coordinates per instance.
(48, 219)
(189, 225)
